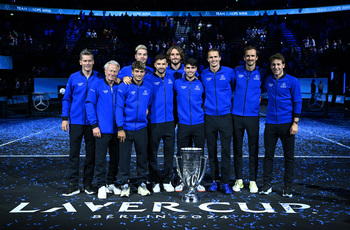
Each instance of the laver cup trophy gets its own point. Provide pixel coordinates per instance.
(191, 169)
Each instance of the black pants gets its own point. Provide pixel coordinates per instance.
(76, 134)
(188, 134)
(222, 125)
(251, 125)
(111, 143)
(139, 138)
(271, 135)
(165, 131)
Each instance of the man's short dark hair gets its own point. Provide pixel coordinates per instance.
(138, 65)
(277, 56)
(251, 48)
(159, 57)
(191, 61)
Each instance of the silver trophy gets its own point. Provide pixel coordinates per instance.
(191, 168)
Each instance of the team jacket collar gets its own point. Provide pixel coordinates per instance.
(216, 71)
(82, 74)
(283, 76)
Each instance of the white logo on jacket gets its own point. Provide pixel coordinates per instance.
(270, 84)
(145, 92)
(208, 78)
(170, 81)
(222, 78)
(157, 83)
(133, 92)
(284, 85)
(80, 83)
(183, 87)
(105, 91)
(257, 78)
(197, 87)
(240, 75)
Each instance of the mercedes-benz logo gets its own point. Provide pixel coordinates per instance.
(316, 102)
(41, 102)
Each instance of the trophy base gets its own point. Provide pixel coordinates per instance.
(190, 198)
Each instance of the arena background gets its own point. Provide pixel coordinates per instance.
(34, 150)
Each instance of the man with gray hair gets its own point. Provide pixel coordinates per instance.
(100, 109)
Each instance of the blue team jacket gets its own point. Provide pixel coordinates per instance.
(180, 73)
(217, 88)
(73, 102)
(247, 90)
(127, 71)
(100, 106)
(284, 99)
(189, 97)
(162, 106)
(133, 101)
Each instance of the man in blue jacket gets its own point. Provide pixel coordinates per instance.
(100, 108)
(73, 108)
(247, 83)
(217, 82)
(161, 125)
(133, 103)
(189, 93)
(282, 120)
(141, 54)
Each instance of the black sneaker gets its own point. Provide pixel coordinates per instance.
(265, 189)
(287, 191)
(88, 189)
(71, 190)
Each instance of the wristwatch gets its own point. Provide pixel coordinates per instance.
(296, 122)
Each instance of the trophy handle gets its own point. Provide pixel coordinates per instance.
(204, 168)
(178, 167)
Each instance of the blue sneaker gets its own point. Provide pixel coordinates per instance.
(213, 187)
(226, 189)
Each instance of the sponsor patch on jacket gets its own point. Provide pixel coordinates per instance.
(133, 92)
(170, 81)
(145, 92)
(222, 78)
(256, 78)
(183, 87)
(270, 84)
(240, 75)
(80, 83)
(208, 78)
(92, 90)
(105, 91)
(157, 83)
(197, 87)
(284, 85)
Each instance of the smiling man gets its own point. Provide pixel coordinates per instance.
(282, 120)
(73, 109)
(247, 83)
(100, 108)
(217, 82)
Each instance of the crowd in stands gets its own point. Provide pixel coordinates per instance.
(46, 40)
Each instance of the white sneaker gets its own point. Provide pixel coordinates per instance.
(142, 190)
(112, 189)
(200, 188)
(253, 188)
(102, 193)
(156, 188)
(180, 187)
(238, 185)
(168, 187)
(125, 191)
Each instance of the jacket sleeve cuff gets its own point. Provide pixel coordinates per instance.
(296, 115)
(120, 128)
(94, 125)
(64, 118)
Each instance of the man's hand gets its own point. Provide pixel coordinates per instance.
(294, 129)
(127, 80)
(65, 126)
(96, 132)
(121, 135)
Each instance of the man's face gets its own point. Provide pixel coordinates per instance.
(175, 57)
(214, 58)
(190, 70)
(111, 72)
(160, 66)
(141, 55)
(250, 57)
(277, 67)
(87, 62)
(138, 74)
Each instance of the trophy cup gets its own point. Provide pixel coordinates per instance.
(191, 169)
